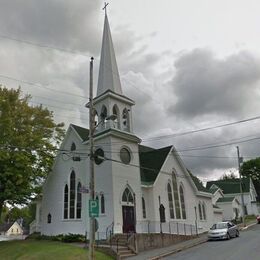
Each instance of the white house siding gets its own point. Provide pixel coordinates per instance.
(53, 192)
(15, 229)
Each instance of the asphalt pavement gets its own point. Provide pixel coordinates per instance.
(245, 247)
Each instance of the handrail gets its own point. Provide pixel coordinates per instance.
(110, 230)
(131, 242)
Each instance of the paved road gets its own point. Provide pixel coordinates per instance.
(246, 247)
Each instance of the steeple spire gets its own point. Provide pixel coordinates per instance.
(108, 78)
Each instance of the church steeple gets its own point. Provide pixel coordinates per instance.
(108, 78)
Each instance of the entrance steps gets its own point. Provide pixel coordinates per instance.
(119, 245)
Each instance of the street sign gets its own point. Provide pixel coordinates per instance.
(93, 207)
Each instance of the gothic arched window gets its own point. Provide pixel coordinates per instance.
(72, 194)
(103, 115)
(49, 218)
(204, 211)
(73, 147)
(169, 191)
(176, 195)
(79, 200)
(66, 202)
(116, 113)
(200, 211)
(127, 196)
(143, 207)
(126, 121)
(183, 210)
(102, 204)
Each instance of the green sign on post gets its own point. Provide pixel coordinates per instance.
(93, 207)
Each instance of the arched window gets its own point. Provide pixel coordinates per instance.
(162, 213)
(95, 117)
(66, 202)
(200, 211)
(183, 211)
(169, 191)
(49, 218)
(176, 195)
(102, 204)
(126, 121)
(79, 200)
(73, 147)
(72, 194)
(127, 196)
(143, 207)
(103, 116)
(116, 113)
(204, 211)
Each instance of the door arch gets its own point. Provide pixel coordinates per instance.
(128, 210)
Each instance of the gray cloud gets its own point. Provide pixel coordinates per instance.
(206, 85)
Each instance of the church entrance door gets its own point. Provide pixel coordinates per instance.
(128, 219)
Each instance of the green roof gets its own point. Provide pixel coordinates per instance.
(82, 132)
(212, 190)
(198, 183)
(225, 199)
(151, 162)
(231, 186)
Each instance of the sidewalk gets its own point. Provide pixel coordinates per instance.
(165, 251)
(159, 253)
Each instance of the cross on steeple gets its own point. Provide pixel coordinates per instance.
(105, 7)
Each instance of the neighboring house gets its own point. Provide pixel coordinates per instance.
(231, 208)
(139, 188)
(231, 189)
(9, 229)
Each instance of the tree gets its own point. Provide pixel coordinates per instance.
(251, 169)
(228, 176)
(28, 143)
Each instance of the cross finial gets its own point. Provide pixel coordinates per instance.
(105, 7)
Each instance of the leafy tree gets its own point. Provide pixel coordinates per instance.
(230, 176)
(28, 141)
(251, 169)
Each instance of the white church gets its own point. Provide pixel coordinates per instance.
(140, 189)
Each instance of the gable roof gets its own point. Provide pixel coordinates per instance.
(198, 184)
(212, 189)
(81, 131)
(5, 227)
(231, 186)
(225, 199)
(151, 162)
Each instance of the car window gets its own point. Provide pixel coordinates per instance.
(219, 226)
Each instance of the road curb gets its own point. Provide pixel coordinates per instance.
(178, 249)
(246, 227)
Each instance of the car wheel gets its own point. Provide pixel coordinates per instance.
(228, 236)
(237, 233)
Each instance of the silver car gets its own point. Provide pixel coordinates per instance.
(223, 230)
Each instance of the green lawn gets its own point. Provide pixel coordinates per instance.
(41, 250)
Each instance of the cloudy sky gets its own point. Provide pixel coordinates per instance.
(188, 65)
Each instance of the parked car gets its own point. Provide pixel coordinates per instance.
(258, 219)
(223, 230)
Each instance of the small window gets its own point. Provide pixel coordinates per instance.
(73, 147)
(127, 196)
(102, 204)
(143, 207)
(49, 218)
(125, 156)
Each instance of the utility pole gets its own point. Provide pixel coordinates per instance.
(91, 164)
(241, 188)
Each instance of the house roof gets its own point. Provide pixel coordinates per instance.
(231, 186)
(82, 132)
(198, 184)
(5, 227)
(212, 190)
(216, 207)
(225, 199)
(151, 162)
